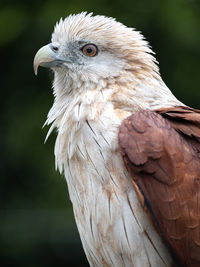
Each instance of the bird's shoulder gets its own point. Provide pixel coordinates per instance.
(161, 151)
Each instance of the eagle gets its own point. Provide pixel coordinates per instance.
(129, 149)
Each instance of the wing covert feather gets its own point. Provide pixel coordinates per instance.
(161, 152)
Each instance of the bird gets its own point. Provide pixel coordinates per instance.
(129, 149)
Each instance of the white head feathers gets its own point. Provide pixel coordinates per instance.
(122, 74)
(120, 47)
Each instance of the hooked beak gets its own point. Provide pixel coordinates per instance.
(47, 57)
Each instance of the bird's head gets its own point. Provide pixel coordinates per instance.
(101, 69)
(93, 47)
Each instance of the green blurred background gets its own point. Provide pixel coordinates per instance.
(37, 227)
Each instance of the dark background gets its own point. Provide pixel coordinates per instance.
(37, 227)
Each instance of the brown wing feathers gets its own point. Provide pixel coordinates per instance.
(159, 150)
(183, 119)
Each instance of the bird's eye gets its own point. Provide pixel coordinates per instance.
(90, 50)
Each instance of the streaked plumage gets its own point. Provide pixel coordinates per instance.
(93, 95)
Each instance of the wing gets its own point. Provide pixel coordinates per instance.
(161, 150)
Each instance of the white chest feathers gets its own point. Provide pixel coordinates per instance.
(114, 229)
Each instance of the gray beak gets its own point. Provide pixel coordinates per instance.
(47, 57)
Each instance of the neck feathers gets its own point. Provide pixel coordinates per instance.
(129, 91)
(80, 98)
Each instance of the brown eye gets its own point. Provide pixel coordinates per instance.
(90, 50)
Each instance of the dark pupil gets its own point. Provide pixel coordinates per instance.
(89, 50)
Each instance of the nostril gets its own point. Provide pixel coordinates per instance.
(54, 47)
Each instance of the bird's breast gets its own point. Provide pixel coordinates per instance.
(114, 229)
